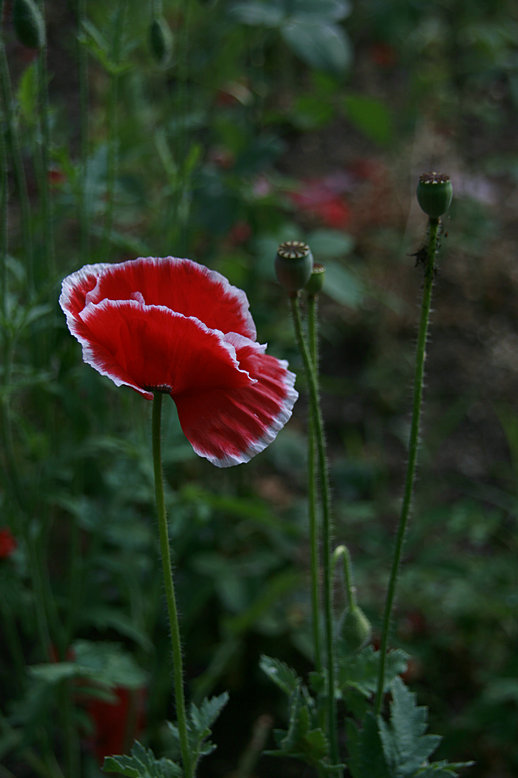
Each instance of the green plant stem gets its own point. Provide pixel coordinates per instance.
(343, 552)
(83, 193)
(169, 589)
(13, 144)
(413, 447)
(46, 200)
(113, 125)
(326, 526)
(312, 490)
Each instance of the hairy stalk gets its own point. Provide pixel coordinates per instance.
(169, 589)
(326, 526)
(413, 447)
(312, 489)
(342, 552)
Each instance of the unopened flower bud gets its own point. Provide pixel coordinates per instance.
(354, 630)
(315, 283)
(28, 23)
(434, 194)
(293, 265)
(160, 40)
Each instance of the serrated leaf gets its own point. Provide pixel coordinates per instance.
(323, 46)
(405, 744)
(360, 671)
(279, 672)
(142, 764)
(366, 756)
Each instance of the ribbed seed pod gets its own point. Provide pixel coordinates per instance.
(293, 265)
(434, 194)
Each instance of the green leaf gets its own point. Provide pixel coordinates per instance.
(322, 46)
(281, 674)
(256, 13)
(360, 671)
(405, 744)
(329, 244)
(142, 764)
(27, 94)
(366, 757)
(200, 720)
(342, 285)
(330, 10)
(371, 116)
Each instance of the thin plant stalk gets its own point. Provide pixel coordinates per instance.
(113, 124)
(44, 161)
(413, 448)
(312, 323)
(342, 552)
(326, 526)
(169, 589)
(16, 157)
(83, 193)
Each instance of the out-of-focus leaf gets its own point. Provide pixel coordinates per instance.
(371, 116)
(322, 46)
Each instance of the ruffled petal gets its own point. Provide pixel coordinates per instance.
(230, 425)
(152, 348)
(181, 285)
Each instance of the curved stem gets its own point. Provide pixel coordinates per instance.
(169, 589)
(343, 551)
(326, 526)
(312, 492)
(413, 446)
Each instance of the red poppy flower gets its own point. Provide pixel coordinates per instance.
(117, 722)
(7, 543)
(174, 326)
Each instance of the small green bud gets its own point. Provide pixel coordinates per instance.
(293, 265)
(160, 40)
(315, 283)
(355, 629)
(434, 194)
(28, 23)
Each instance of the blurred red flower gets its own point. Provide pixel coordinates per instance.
(116, 723)
(7, 543)
(323, 199)
(174, 326)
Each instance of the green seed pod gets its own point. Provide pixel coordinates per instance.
(160, 40)
(355, 629)
(28, 23)
(293, 265)
(315, 283)
(434, 194)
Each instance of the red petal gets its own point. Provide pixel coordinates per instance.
(149, 347)
(178, 284)
(229, 425)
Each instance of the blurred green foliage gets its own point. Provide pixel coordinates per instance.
(256, 101)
